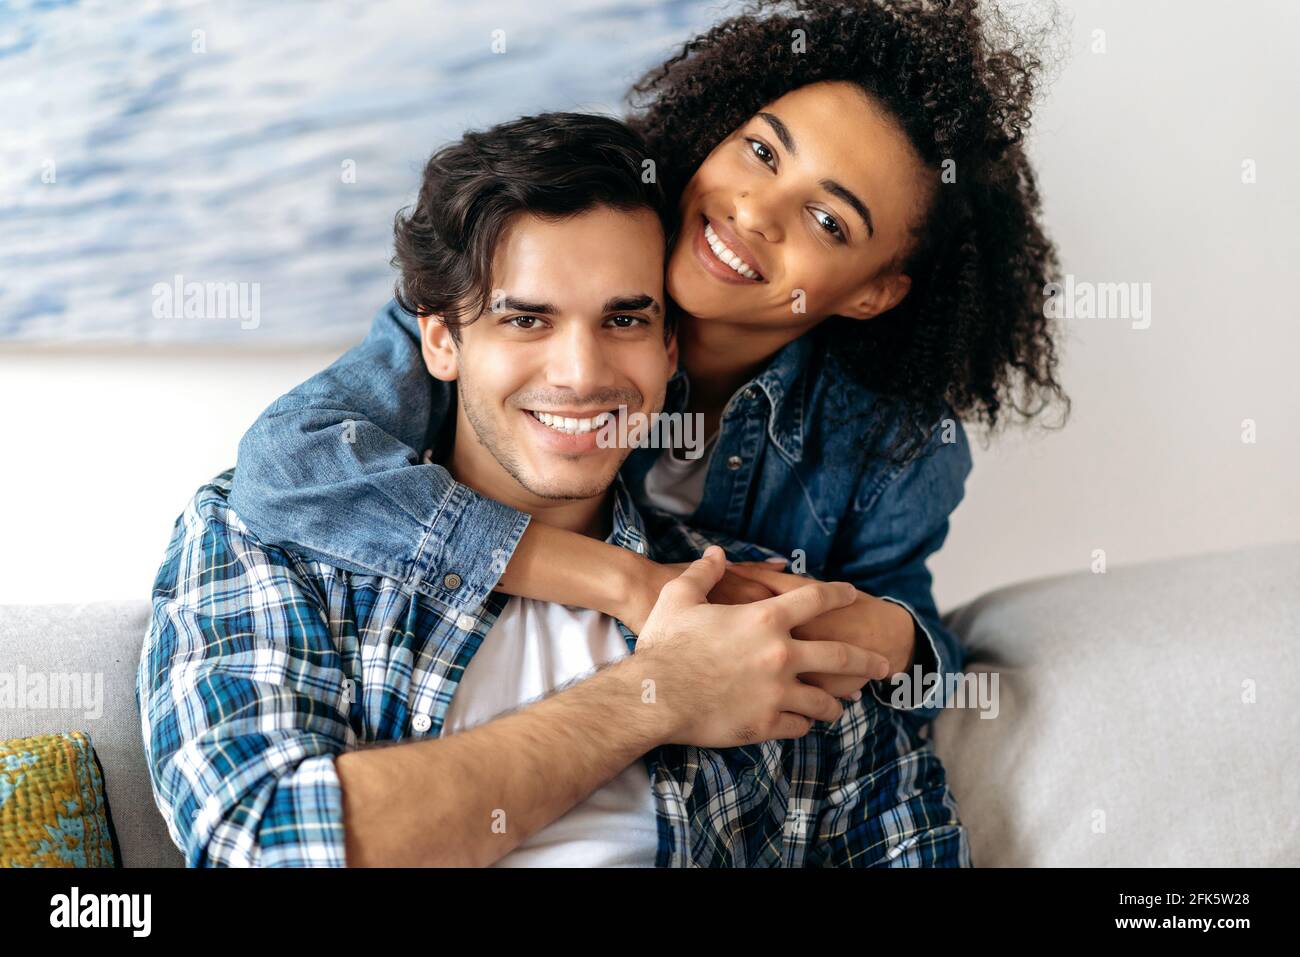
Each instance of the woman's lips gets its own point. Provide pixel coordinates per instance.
(711, 263)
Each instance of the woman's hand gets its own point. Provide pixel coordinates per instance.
(871, 623)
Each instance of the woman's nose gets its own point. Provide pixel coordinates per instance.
(757, 213)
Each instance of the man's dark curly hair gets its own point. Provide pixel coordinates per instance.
(972, 330)
(552, 165)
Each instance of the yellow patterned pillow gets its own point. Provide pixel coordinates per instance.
(52, 807)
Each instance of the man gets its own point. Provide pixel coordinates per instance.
(268, 679)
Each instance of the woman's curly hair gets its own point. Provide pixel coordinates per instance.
(972, 331)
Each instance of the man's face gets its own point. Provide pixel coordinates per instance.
(575, 330)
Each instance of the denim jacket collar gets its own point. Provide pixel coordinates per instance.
(785, 384)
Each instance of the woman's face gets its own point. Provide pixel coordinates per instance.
(799, 214)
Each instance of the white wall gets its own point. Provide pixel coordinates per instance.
(105, 446)
(1139, 151)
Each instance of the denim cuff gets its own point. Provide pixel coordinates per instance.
(466, 548)
(927, 657)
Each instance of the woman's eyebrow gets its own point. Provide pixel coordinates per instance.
(850, 197)
(831, 186)
(782, 132)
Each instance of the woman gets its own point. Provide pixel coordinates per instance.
(858, 263)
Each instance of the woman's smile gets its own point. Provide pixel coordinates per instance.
(723, 255)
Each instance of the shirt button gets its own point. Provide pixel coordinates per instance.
(347, 690)
(421, 723)
(466, 623)
(734, 462)
(451, 581)
(751, 393)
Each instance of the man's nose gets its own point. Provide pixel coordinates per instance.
(577, 362)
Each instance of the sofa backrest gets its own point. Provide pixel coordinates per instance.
(1146, 716)
(89, 647)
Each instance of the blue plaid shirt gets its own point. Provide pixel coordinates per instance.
(260, 667)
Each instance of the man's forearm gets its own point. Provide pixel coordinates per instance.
(471, 798)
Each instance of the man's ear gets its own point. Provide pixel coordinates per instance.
(438, 348)
(672, 352)
(877, 295)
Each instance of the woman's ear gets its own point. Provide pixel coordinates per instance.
(878, 295)
(438, 348)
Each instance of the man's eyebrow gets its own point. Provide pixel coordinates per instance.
(835, 189)
(510, 304)
(782, 132)
(633, 304)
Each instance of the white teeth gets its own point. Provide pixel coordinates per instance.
(572, 426)
(726, 255)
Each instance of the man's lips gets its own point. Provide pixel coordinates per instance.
(557, 433)
(729, 245)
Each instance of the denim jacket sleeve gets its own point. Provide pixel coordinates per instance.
(899, 518)
(333, 470)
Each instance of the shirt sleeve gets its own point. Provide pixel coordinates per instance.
(897, 522)
(242, 701)
(333, 470)
(887, 800)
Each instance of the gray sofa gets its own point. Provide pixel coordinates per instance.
(1145, 716)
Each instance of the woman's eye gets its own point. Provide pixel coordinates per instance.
(828, 222)
(627, 322)
(762, 152)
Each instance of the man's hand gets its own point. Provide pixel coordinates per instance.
(651, 577)
(727, 675)
(871, 623)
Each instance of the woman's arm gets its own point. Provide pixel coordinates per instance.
(554, 564)
(333, 470)
(883, 547)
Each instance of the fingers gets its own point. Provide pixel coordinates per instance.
(791, 726)
(836, 658)
(839, 686)
(736, 590)
(769, 576)
(812, 703)
(694, 584)
(805, 603)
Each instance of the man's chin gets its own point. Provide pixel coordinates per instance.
(562, 491)
(568, 481)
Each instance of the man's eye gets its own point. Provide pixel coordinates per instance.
(627, 322)
(760, 150)
(524, 322)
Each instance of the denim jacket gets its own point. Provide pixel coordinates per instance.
(333, 469)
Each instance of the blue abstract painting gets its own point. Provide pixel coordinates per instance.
(211, 171)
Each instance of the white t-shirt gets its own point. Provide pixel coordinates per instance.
(532, 648)
(675, 484)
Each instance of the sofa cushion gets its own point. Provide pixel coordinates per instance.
(74, 669)
(1147, 716)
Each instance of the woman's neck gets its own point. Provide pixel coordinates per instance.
(720, 358)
